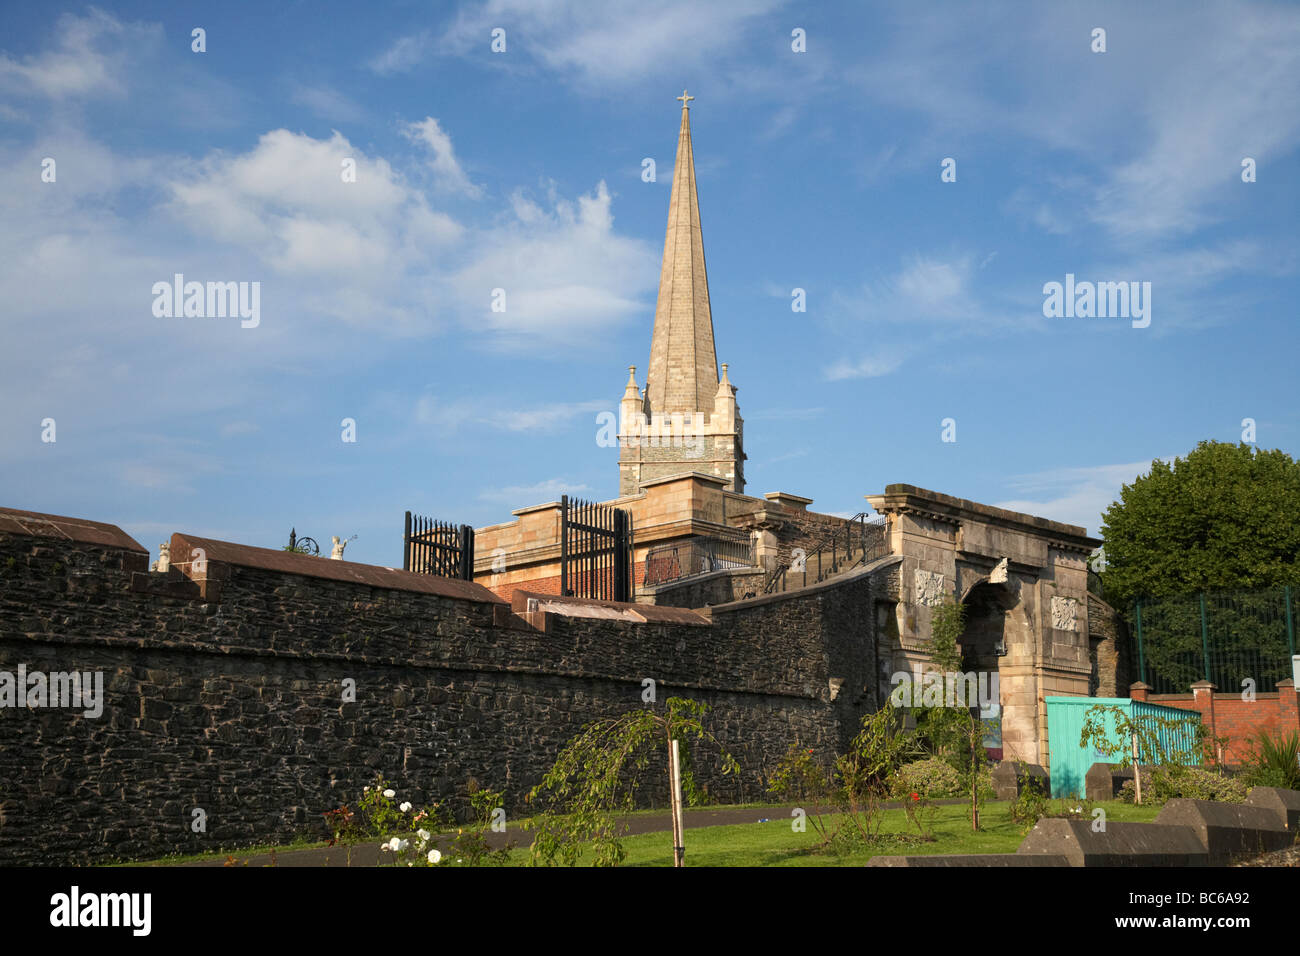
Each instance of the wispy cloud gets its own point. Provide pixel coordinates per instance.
(594, 46)
(449, 416)
(872, 366)
(1077, 496)
(88, 57)
(327, 103)
(543, 491)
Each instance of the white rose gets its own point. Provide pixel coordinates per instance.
(423, 834)
(395, 844)
(365, 789)
(434, 856)
(405, 807)
(390, 794)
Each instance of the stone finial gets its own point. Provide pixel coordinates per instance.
(164, 556)
(631, 392)
(336, 553)
(725, 388)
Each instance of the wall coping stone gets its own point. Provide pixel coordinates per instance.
(287, 562)
(37, 525)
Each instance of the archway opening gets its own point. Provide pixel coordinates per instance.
(983, 645)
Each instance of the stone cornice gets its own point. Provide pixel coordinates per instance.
(909, 499)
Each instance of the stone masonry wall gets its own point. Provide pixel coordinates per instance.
(226, 695)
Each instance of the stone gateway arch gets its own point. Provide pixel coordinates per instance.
(1024, 581)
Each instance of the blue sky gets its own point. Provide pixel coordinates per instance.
(522, 170)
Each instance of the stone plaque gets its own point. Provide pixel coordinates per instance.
(929, 588)
(1063, 613)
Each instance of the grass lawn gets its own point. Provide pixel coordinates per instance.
(776, 844)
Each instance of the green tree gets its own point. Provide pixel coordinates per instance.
(594, 781)
(1225, 517)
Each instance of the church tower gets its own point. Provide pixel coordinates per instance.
(686, 419)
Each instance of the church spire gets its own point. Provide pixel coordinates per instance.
(683, 373)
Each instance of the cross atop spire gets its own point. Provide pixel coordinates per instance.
(686, 100)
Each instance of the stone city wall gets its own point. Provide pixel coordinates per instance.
(224, 680)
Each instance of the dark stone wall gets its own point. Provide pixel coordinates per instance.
(233, 703)
(1110, 650)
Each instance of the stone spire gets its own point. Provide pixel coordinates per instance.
(683, 373)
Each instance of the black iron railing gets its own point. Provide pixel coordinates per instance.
(438, 547)
(699, 555)
(595, 550)
(861, 539)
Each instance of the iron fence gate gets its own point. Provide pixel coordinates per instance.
(438, 547)
(595, 551)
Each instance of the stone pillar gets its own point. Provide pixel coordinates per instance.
(766, 548)
(1138, 690)
(1288, 706)
(1203, 700)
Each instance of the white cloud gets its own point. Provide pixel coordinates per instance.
(445, 167)
(563, 269)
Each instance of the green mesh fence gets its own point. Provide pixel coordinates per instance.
(1225, 637)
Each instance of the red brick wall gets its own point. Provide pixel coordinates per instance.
(546, 585)
(1227, 715)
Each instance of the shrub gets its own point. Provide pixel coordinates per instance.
(932, 777)
(1194, 783)
(800, 779)
(1273, 761)
(1031, 804)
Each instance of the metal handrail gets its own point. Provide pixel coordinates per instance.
(694, 556)
(858, 523)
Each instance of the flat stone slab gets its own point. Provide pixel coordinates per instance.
(970, 859)
(1285, 803)
(1228, 831)
(1120, 844)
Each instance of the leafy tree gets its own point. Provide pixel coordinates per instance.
(941, 729)
(1167, 743)
(593, 781)
(1225, 517)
